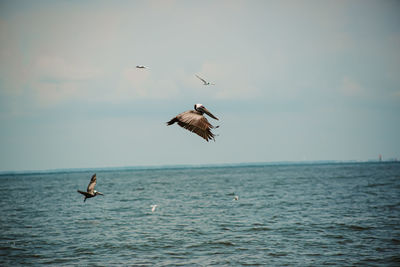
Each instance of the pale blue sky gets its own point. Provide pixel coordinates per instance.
(295, 80)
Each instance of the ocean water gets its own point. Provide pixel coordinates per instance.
(286, 215)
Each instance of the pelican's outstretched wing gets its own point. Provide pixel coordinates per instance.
(92, 184)
(193, 121)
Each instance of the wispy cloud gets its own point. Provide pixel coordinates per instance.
(350, 87)
(13, 71)
(142, 84)
(55, 80)
(56, 68)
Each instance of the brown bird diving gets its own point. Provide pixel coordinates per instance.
(90, 192)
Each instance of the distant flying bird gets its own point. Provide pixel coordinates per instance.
(141, 67)
(194, 121)
(153, 207)
(204, 81)
(90, 192)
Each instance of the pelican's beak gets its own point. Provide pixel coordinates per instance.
(209, 113)
(99, 193)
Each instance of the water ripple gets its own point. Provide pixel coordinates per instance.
(286, 215)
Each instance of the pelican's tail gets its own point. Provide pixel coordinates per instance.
(83, 193)
(172, 121)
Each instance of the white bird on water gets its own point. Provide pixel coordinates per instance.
(153, 207)
(236, 198)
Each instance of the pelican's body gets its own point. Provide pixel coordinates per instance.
(204, 81)
(194, 121)
(90, 192)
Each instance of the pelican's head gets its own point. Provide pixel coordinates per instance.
(98, 193)
(200, 108)
(197, 106)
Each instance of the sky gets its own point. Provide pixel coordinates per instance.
(294, 81)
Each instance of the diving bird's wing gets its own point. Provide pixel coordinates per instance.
(196, 123)
(204, 81)
(92, 184)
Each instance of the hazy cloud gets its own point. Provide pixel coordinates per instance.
(142, 84)
(57, 69)
(349, 87)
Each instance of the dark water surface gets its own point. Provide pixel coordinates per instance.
(296, 215)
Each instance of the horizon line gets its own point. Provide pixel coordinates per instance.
(183, 166)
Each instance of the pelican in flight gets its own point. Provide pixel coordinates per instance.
(204, 81)
(194, 121)
(90, 192)
(141, 67)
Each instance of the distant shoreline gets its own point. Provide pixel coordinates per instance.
(194, 166)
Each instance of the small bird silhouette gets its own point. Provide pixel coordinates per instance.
(204, 81)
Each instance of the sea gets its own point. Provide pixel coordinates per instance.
(286, 214)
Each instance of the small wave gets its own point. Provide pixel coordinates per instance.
(33, 256)
(177, 255)
(392, 206)
(224, 243)
(246, 204)
(277, 254)
(139, 189)
(59, 261)
(11, 248)
(259, 229)
(359, 228)
(83, 251)
(394, 259)
(345, 241)
(335, 236)
(395, 241)
(251, 264)
(126, 200)
(376, 185)
(313, 254)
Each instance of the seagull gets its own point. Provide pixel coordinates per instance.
(194, 121)
(236, 198)
(153, 207)
(204, 81)
(141, 67)
(90, 189)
